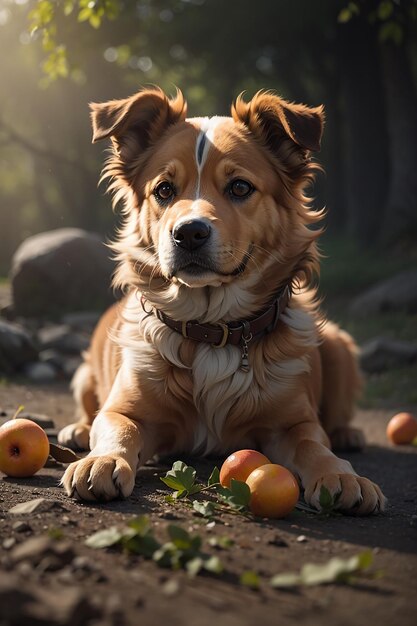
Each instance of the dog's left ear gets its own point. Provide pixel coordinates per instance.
(274, 121)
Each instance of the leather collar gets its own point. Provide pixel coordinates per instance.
(238, 333)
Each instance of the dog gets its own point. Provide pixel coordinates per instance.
(219, 343)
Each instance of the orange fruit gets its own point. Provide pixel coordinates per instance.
(402, 428)
(240, 464)
(274, 491)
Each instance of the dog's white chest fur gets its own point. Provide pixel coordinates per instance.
(219, 383)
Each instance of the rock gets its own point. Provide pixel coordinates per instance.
(63, 270)
(16, 347)
(52, 554)
(382, 354)
(8, 543)
(62, 339)
(21, 527)
(38, 505)
(83, 321)
(34, 606)
(43, 421)
(395, 294)
(70, 366)
(40, 372)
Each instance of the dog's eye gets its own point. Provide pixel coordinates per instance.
(240, 189)
(164, 191)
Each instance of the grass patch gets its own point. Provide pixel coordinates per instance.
(347, 269)
(396, 388)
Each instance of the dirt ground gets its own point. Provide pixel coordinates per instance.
(108, 587)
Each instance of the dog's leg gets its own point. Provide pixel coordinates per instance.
(109, 470)
(77, 435)
(341, 384)
(305, 450)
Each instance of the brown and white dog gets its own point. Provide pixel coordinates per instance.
(218, 344)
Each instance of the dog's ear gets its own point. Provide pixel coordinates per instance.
(278, 124)
(136, 122)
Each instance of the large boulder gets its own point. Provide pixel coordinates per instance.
(16, 347)
(382, 353)
(398, 293)
(61, 271)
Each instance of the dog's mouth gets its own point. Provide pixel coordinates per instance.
(198, 266)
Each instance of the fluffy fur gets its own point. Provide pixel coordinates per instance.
(144, 389)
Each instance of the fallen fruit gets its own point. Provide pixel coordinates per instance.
(24, 448)
(402, 428)
(274, 491)
(240, 464)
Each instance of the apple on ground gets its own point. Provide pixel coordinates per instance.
(240, 464)
(402, 428)
(24, 448)
(274, 491)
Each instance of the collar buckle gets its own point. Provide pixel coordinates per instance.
(223, 341)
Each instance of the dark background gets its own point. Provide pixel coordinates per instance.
(357, 58)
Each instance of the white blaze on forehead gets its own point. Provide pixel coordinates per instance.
(203, 144)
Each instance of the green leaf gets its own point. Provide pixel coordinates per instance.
(141, 525)
(206, 508)
(283, 581)
(336, 570)
(385, 10)
(214, 478)
(194, 566)
(250, 579)
(213, 564)
(181, 478)
(221, 542)
(325, 499)
(135, 544)
(391, 31)
(179, 535)
(344, 16)
(104, 538)
(237, 496)
(95, 20)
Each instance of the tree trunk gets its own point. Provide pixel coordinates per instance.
(400, 219)
(365, 138)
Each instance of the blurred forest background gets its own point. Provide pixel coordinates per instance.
(358, 58)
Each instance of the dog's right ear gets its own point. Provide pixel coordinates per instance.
(136, 122)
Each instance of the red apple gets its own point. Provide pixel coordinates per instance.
(240, 464)
(274, 491)
(24, 448)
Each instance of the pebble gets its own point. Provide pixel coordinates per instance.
(40, 372)
(302, 539)
(171, 587)
(8, 543)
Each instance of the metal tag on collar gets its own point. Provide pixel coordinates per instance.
(246, 338)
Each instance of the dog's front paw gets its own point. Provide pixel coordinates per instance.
(75, 436)
(99, 478)
(351, 494)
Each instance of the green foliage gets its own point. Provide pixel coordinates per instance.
(250, 579)
(327, 502)
(43, 19)
(390, 17)
(182, 478)
(181, 551)
(237, 497)
(337, 570)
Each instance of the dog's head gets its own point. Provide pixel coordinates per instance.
(212, 202)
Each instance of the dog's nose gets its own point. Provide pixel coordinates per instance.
(191, 235)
